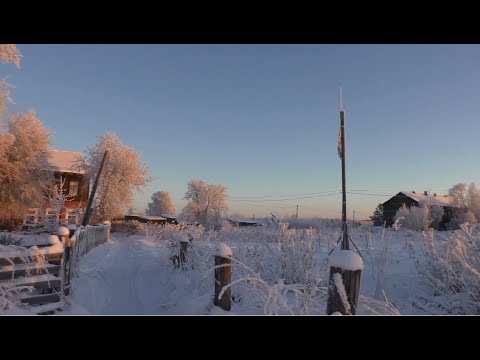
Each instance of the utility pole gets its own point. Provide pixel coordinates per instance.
(88, 212)
(297, 212)
(345, 244)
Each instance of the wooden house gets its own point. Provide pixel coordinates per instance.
(413, 198)
(75, 185)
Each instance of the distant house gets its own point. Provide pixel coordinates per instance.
(241, 222)
(146, 219)
(171, 219)
(76, 186)
(413, 198)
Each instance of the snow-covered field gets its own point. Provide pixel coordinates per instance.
(278, 271)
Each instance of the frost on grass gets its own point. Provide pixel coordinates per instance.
(346, 260)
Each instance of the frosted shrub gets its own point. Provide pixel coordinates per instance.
(414, 218)
(460, 218)
(7, 238)
(452, 269)
(9, 294)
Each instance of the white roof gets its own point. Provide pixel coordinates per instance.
(152, 217)
(239, 219)
(65, 161)
(439, 200)
(168, 216)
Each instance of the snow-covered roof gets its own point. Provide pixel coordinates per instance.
(65, 161)
(439, 200)
(239, 220)
(169, 216)
(152, 217)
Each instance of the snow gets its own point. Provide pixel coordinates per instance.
(223, 250)
(62, 230)
(135, 275)
(184, 238)
(152, 217)
(237, 219)
(338, 281)
(336, 313)
(53, 240)
(346, 260)
(54, 249)
(439, 200)
(65, 161)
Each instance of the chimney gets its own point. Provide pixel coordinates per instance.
(425, 193)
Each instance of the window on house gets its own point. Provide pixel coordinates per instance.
(73, 188)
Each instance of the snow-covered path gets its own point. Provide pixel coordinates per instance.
(129, 275)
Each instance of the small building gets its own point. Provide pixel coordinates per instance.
(413, 198)
(171, 219)
(146, 219)
(241, 222)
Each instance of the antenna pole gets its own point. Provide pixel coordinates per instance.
(345, 243)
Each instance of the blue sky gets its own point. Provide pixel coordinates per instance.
(263, 119)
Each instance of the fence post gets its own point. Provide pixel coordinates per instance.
(109, 226)
(223, 276)
(71, 228)
(63, 234)
(183, 251)
(344, 282)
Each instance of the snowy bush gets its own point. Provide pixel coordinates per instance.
(7, 238)
(461, 217)
(413, 217)
(452, 269)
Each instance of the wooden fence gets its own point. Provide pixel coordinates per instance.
(48, 270)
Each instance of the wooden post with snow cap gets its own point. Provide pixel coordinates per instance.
(223, 276)
(63, 234)
(183, 251)
(344, 282)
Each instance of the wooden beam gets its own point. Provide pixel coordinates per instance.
(39, 282)
(21, 259)
(41, 299)
(29, 268)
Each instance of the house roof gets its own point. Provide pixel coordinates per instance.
(152, 217)
(439, 200)
(169, 216)
(65, 161)
(240, 220)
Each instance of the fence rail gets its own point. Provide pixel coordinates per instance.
(49, 270)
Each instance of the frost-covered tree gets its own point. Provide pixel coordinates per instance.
(123, 175)
(161, 204)
(24, 155)
(377, 216)
(466, 196)
(56, 201)
(413, 217)
(459, 195)
(206, 202)
(8, 54)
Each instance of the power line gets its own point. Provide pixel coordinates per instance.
(287, 199)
